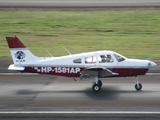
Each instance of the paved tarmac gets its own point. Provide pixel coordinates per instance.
(80, 117)
(79, 3)
(51, 93)
(42, 92)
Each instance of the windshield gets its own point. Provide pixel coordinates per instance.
(119, 57)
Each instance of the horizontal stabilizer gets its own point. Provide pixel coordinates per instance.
(13, 67)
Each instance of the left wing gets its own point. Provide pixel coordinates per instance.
(96, 72)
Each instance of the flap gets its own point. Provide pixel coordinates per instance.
(13, 67)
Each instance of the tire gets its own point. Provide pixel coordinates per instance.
(96, 87)
(100, 82)
(138, 87)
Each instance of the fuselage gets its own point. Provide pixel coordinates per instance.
(72, 65)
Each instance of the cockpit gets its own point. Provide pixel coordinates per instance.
(105, 58)
(109, 58)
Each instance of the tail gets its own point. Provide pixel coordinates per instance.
(20, 54)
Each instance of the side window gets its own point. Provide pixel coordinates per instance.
(119, 58)
(79, 60)
(105, 58)
(91, 59)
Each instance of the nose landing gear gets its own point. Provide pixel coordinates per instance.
(138, 86)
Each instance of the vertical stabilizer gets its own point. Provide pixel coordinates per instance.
(20, 54)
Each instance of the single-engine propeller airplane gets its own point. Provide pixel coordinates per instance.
(92, 65)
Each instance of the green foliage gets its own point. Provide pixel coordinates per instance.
(133, 33)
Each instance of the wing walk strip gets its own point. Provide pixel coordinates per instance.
(80, 112)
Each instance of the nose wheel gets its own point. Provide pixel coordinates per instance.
(138, 86)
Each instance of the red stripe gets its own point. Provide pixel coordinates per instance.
(123, 72)
(14, 42)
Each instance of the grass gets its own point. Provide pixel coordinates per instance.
(132, 33)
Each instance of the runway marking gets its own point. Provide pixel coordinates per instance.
(153, 74)
(19, 74)
(79, 112)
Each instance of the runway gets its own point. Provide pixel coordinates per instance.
(22, 93)
(42, 92)
(79, 4)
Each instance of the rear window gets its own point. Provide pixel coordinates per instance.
(90, 59)
(79, 60)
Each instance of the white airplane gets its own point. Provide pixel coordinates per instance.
(92, 65)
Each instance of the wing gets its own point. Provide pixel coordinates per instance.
(96, 72)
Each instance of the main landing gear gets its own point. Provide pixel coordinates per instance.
(97, 86)
(138, 86)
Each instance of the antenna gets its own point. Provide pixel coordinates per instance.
(49, 53)
(67, 50)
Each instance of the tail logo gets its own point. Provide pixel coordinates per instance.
(20, 55)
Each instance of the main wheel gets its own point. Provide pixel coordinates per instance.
(138, 87)
(96, 87)
(100, 82)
